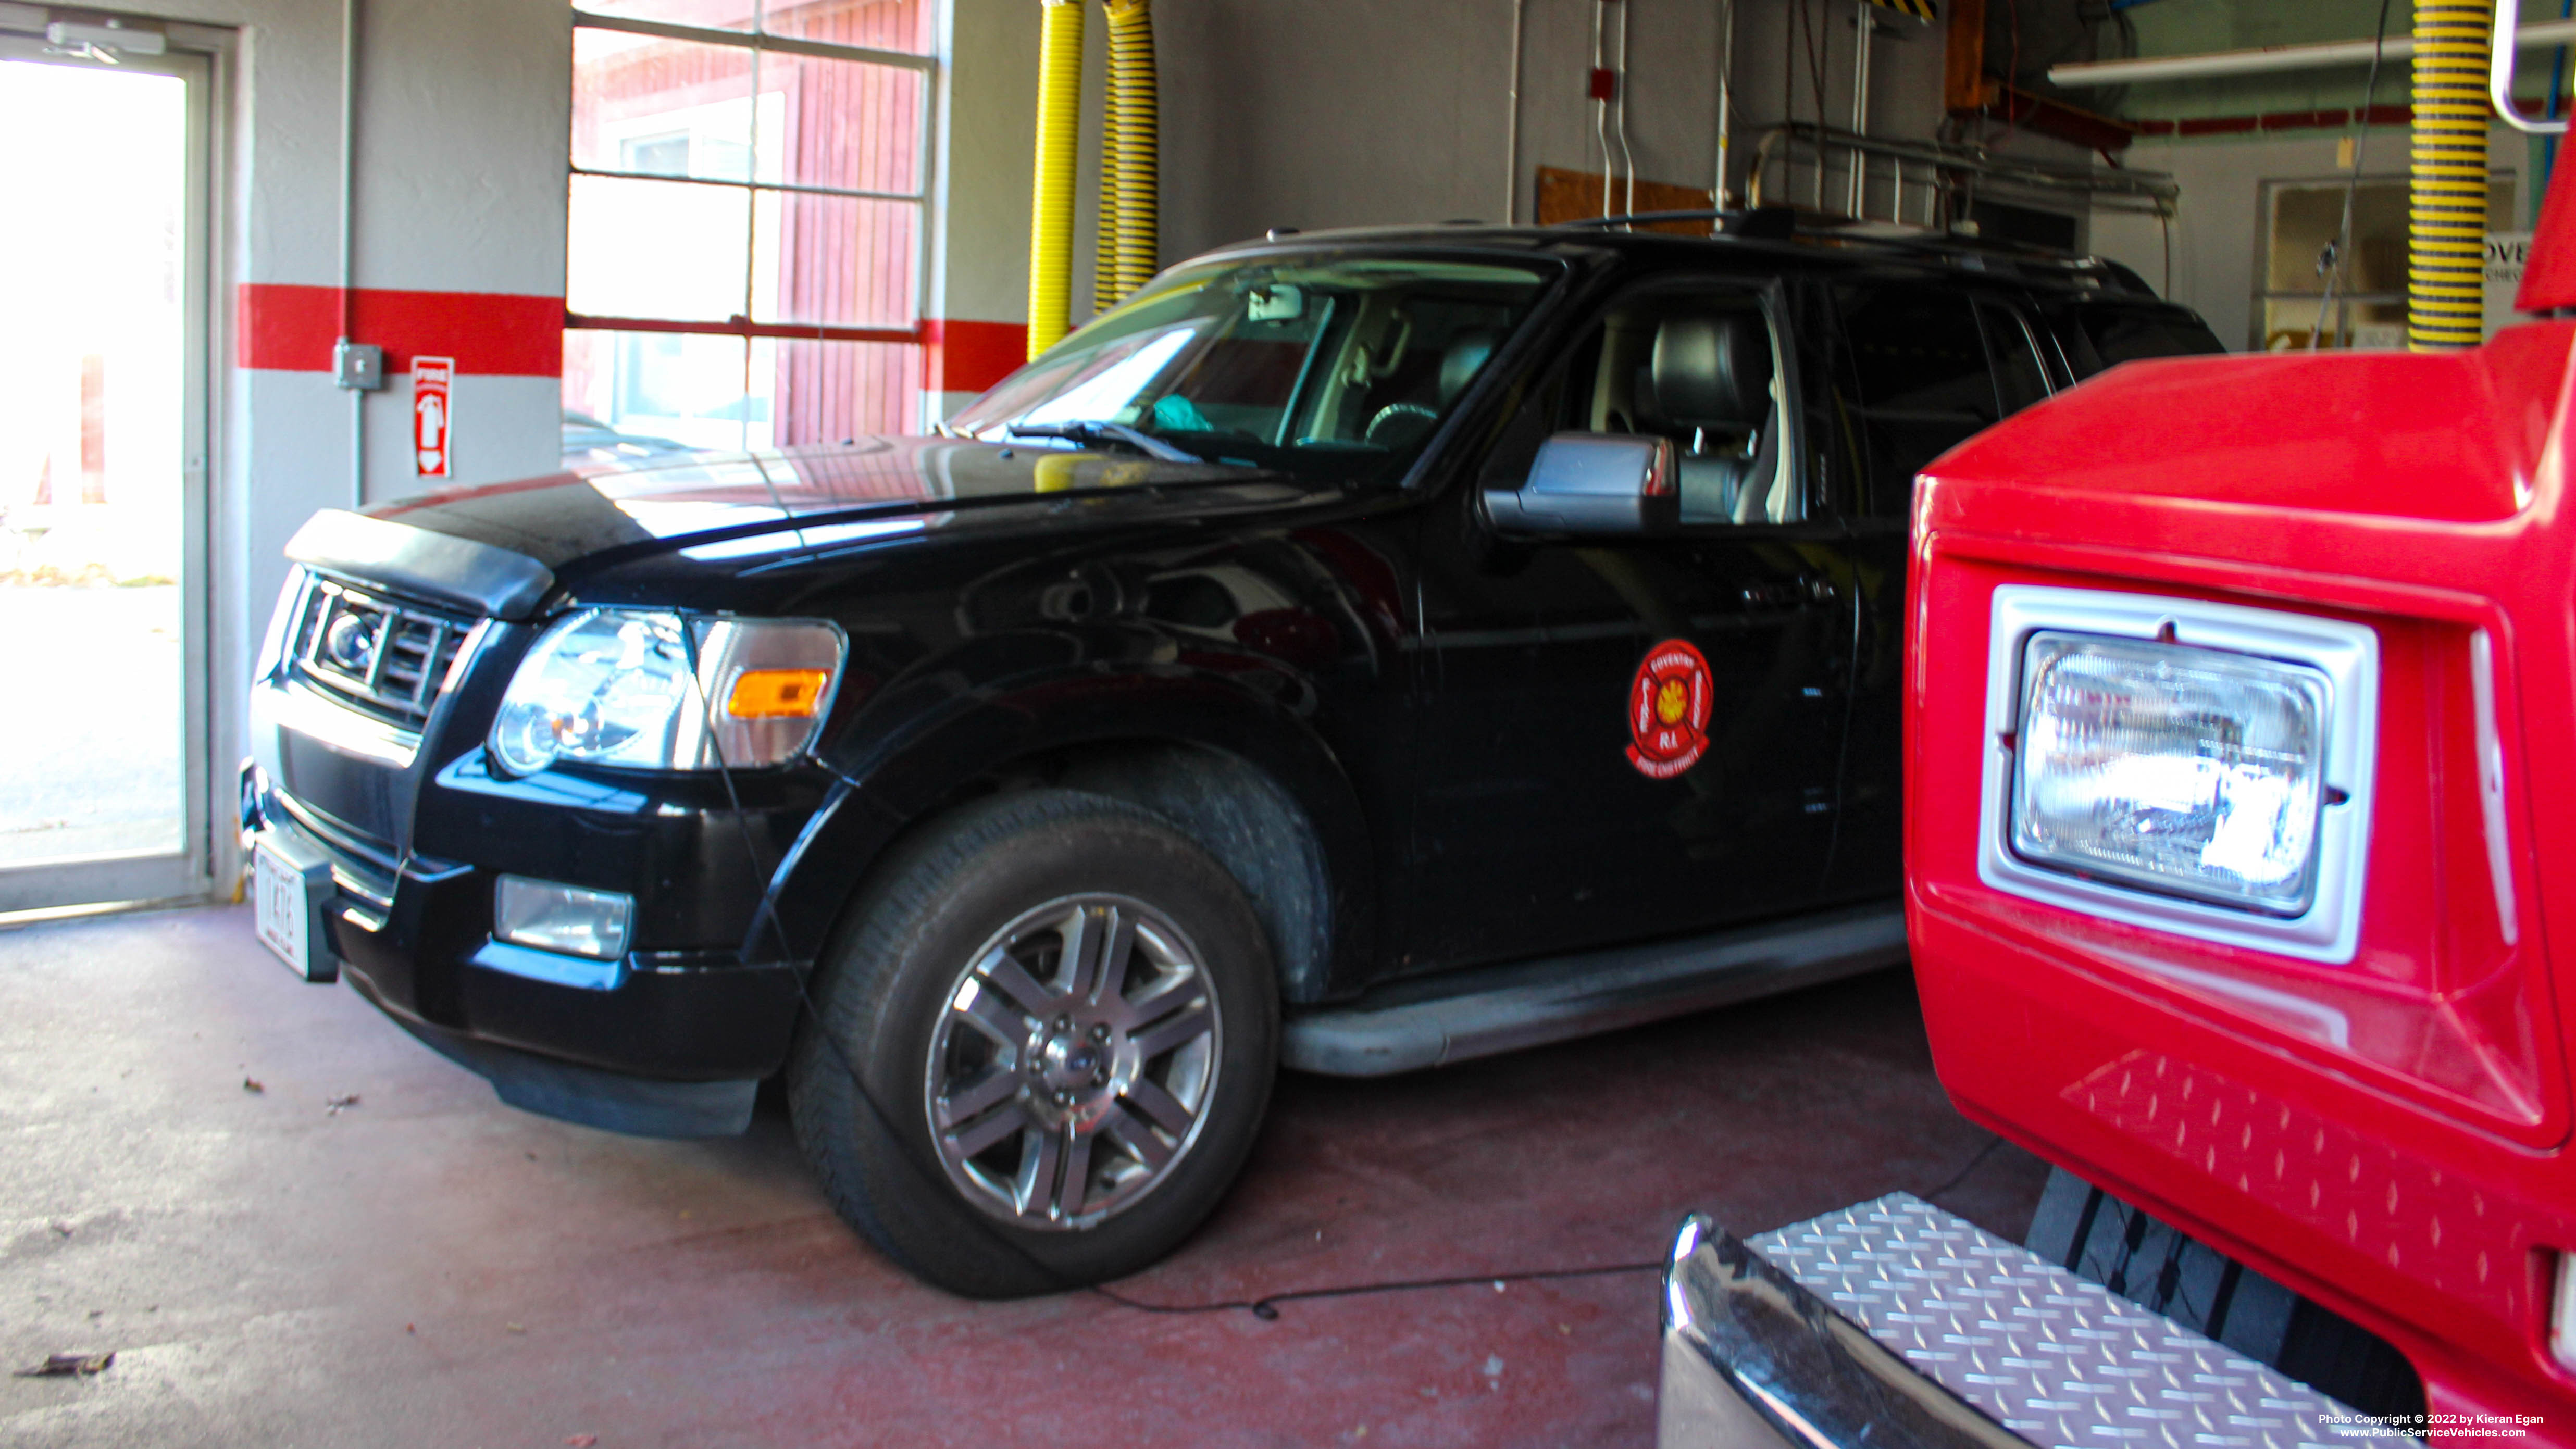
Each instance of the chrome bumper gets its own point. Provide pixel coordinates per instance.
(1894, 1325)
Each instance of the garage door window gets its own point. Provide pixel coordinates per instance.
(2301, 219)
(746, 233)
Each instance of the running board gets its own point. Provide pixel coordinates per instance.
(1455, 1017)
(1892, 1324)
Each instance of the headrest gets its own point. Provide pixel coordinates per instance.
(1468, 353)
(1713, 370)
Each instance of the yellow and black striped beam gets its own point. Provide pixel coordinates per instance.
(2447, 195)
(1919, 9)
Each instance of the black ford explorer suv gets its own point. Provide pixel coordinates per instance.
(1358, 651)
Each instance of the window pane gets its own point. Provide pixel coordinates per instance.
(664, 107)
(712, 14)
(840, 124)
(877, 24)
(1335, 367)
(1923, 384)
(828, 391)
(657, 249)
(2289, 324)
(835, 260)
(1916, 351)
(2124, 334)
(2306, 218)
(2018, 376)
(634, 395)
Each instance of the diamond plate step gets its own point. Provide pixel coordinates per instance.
(2057, 1359)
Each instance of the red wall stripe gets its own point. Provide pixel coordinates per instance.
(507, 334)
(969, 356)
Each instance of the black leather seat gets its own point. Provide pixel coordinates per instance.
(1710, 379)
(1398, 424)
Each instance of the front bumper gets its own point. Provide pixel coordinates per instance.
(668, 1040)
(1895, 1325)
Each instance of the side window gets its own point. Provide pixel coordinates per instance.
(2114, 333)
(2020, 379)
(1699, 364)
(1921, 384)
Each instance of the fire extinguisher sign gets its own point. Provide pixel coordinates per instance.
(430, 415)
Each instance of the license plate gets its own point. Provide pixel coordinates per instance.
(282, 912)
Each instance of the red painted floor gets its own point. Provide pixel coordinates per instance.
(429, 1267)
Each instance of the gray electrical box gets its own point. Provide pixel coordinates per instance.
(358, 365)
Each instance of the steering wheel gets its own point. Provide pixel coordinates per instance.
(1421, 417)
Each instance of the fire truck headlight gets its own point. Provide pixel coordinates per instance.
(2189, 771)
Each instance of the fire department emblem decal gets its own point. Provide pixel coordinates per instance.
(1668, 711)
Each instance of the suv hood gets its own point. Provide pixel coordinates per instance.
(501, 547)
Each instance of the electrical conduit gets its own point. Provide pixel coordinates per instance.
(1130, 182)
(1051, 196)
(2447, 177)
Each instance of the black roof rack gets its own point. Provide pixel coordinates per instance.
(1768, 223)
(1781, 223)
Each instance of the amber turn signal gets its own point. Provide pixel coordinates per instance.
(777, 693)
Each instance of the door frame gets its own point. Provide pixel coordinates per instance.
(196, 58)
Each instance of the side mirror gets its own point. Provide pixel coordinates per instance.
(1588, 484)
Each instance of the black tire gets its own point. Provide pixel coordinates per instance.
(860, 1081)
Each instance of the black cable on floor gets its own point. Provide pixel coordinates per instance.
(1266, 1307)
(1973, 1163)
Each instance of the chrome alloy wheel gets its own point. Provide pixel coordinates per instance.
(1073, 1062)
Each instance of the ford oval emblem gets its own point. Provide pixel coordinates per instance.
(351, 643)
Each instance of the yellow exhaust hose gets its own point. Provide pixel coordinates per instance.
(1104, 259)
(2447, 191)
(1130, 183)
(1051, 198)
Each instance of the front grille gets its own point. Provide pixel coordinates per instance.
(382, 658)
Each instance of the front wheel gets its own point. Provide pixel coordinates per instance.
(1043, 1044)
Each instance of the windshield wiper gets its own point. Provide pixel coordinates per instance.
(1093, 430)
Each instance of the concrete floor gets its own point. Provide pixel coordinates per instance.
(429, 1267)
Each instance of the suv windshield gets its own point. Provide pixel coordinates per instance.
(1335, 367)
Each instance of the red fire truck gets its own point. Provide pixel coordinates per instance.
(2241, 801)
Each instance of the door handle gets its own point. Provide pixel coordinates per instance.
(1791, 593)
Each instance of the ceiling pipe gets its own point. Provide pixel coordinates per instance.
(349, 252)
(1512, 128)
(1719, 195)
(1604, 82)
(1862, 24)
(1627, 158)
(2271, 58)
(2508, 14)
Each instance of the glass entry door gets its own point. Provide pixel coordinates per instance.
(104, 772)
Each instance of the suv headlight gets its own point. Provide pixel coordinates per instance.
(2179, 769)
(616, 687)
